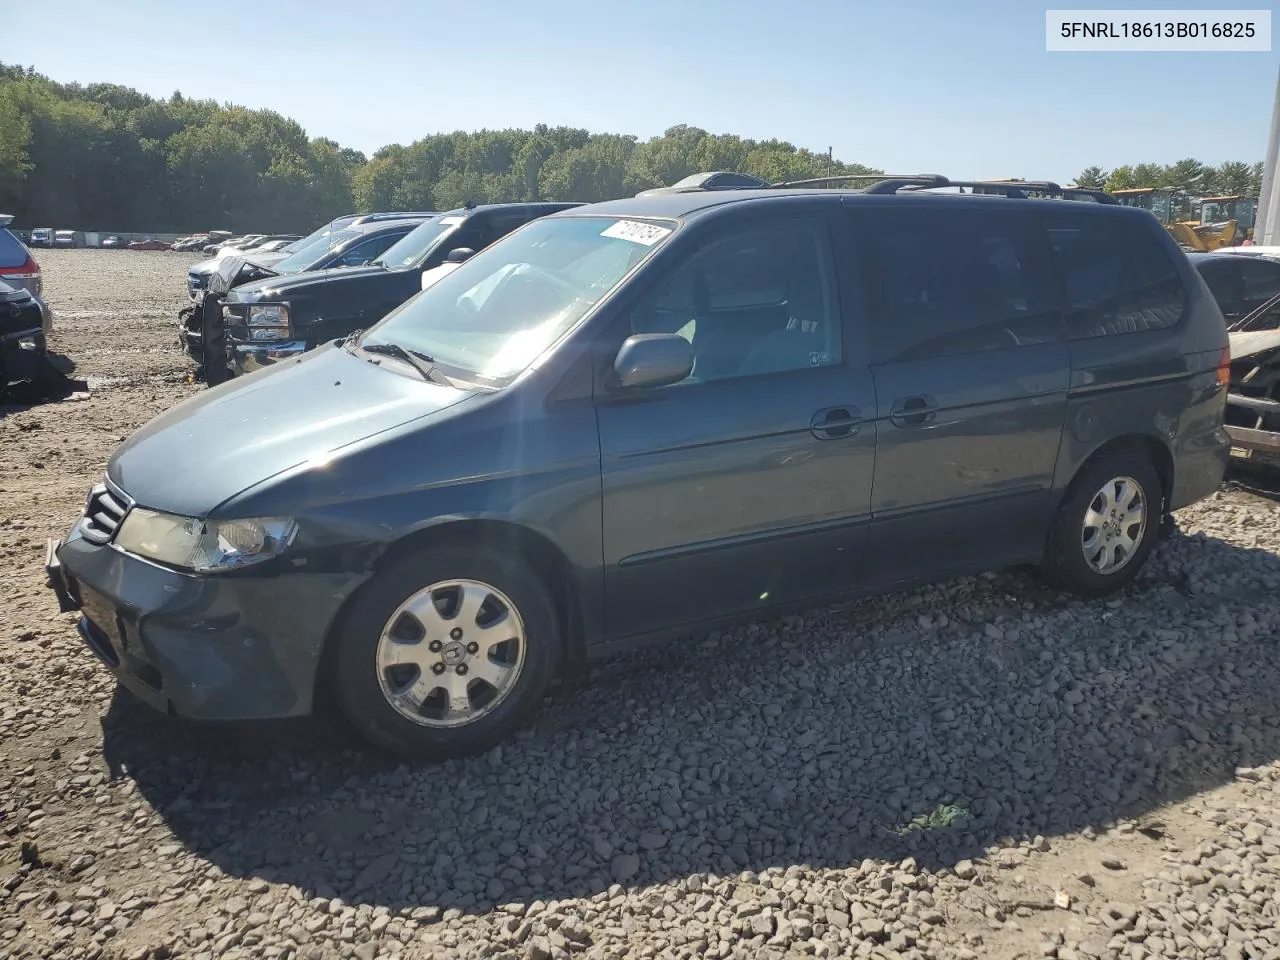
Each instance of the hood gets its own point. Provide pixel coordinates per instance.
(235, 271)
(1251, 343)
(213, 446)
(268, 258)
(204, 266)
(278, 286)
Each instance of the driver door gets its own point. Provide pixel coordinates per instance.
(748, 485)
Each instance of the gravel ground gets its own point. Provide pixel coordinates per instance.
(979, 769)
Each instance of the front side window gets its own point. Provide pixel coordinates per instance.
(758, 300)
(495, 314)
(949, 281)
(1221, 278)
(1118, 279)
(367, 251)
(415, 246)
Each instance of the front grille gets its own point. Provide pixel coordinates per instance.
(104, 512)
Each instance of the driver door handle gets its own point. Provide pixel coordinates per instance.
(913, 411)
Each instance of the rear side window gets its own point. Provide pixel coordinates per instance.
(1261, 282)
(1116, 277)
(947, 281)
(12, 252)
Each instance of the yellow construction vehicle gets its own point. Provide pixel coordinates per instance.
(1168, 206)
(1206, 224)
(1229, 220)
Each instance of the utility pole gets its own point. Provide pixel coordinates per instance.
(829, 161)
(1267, 230)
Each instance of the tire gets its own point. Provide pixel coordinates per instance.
(369, 673)
(1065, 563)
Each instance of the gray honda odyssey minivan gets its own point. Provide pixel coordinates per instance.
(785, 395)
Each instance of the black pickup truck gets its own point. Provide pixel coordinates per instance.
(264, 321)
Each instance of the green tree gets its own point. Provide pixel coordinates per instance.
(1233, 177)
(1093, 177)
(1121, 178)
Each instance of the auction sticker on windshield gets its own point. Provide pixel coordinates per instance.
(646, 234)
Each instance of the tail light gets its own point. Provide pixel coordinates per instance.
(24, 272)
(1224, 367)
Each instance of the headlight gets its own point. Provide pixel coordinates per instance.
(203, 545)
(269, 315)
(269, 322)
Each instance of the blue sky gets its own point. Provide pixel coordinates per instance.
(962, 88)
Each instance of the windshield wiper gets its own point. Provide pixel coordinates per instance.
(419, 361)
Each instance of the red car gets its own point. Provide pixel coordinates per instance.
(148, 244)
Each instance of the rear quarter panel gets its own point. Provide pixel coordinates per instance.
(1160, 384)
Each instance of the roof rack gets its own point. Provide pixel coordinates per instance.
(1016, 189)
(841, 178)
(885, 183)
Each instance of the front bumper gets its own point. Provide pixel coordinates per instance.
(222, 647)
(46, 316)
(248, 357)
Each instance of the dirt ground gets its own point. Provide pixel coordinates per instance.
(978, 769)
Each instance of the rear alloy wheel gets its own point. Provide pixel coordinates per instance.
(446, 653)
(1114, 525)
(1107, 525)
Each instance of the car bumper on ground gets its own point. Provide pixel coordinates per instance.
(229, 647)
(1259, 447)
(248, 357)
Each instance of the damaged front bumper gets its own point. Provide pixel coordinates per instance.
(212, 647)
(248, 357)
(1253, 397)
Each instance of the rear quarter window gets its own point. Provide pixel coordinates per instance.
(1116, 276)
(12, 252)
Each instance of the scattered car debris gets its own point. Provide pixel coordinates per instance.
(1253, 398)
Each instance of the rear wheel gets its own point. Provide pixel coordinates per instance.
(446, 653)
(1106, 526)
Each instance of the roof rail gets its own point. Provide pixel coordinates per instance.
(1016, 189)
(917, 181)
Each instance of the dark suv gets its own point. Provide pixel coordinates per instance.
(782, 396)
(280, 317)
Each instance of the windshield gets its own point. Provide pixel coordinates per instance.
(493, 315)
(307, 254)
(416, 245)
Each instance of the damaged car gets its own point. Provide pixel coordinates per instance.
(1253, 397)
(265, 321)
(327, 249)
(26, 374)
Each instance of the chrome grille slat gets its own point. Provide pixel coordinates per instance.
(104, 512)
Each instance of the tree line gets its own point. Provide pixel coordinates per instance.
(107, 157)
(1186, 176)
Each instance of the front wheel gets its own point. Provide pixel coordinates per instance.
(1106, 527)
(446, 653)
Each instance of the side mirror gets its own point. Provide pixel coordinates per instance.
(653, 360)
(459, 255)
